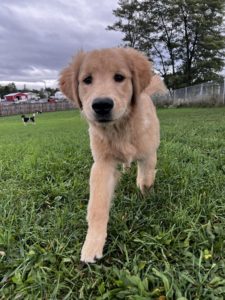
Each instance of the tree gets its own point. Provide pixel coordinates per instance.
(129, 14)
(42, 93)
(183, 37)
(7, 89)
(51, 91)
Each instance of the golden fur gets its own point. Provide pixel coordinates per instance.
(132, 134)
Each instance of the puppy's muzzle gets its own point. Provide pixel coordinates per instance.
(103, 108)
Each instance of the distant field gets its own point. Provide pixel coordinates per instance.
(169, 245)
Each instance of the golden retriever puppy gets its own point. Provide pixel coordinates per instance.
(112, 88)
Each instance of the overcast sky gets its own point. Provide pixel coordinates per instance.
(38, 38)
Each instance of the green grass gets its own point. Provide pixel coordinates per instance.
(169, 245)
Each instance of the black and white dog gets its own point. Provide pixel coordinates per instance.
(26, 119)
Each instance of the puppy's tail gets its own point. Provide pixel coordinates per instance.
(156, 86)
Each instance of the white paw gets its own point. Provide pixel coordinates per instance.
(92, 249)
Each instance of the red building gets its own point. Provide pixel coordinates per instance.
(16, 96)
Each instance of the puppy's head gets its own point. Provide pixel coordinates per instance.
(106, 83)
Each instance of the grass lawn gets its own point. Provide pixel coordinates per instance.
(169, 245)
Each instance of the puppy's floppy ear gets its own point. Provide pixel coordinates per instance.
(156, 86)
(69, 79)
(141, 70)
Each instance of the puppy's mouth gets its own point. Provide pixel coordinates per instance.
(103, 119)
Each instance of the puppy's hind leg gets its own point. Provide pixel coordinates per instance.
(146, 172)
(102, 184)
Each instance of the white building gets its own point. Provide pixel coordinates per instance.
(60, 96)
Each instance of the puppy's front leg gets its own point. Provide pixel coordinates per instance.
(102, 185)
(146, 172)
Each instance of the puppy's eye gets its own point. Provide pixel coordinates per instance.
(119, 77)
(88, 80)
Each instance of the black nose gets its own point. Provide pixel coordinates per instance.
(102, 106)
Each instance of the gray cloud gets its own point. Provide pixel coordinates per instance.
(38, 38)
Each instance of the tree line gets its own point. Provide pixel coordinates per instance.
(184, 38)
(11, 88)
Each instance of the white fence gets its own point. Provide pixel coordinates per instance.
(204, 94)
(27, 108)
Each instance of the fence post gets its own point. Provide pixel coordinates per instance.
(201, 89)
(185, 94)
(224, 91)
(174, 97)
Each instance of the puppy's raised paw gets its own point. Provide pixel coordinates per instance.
(92, 250)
